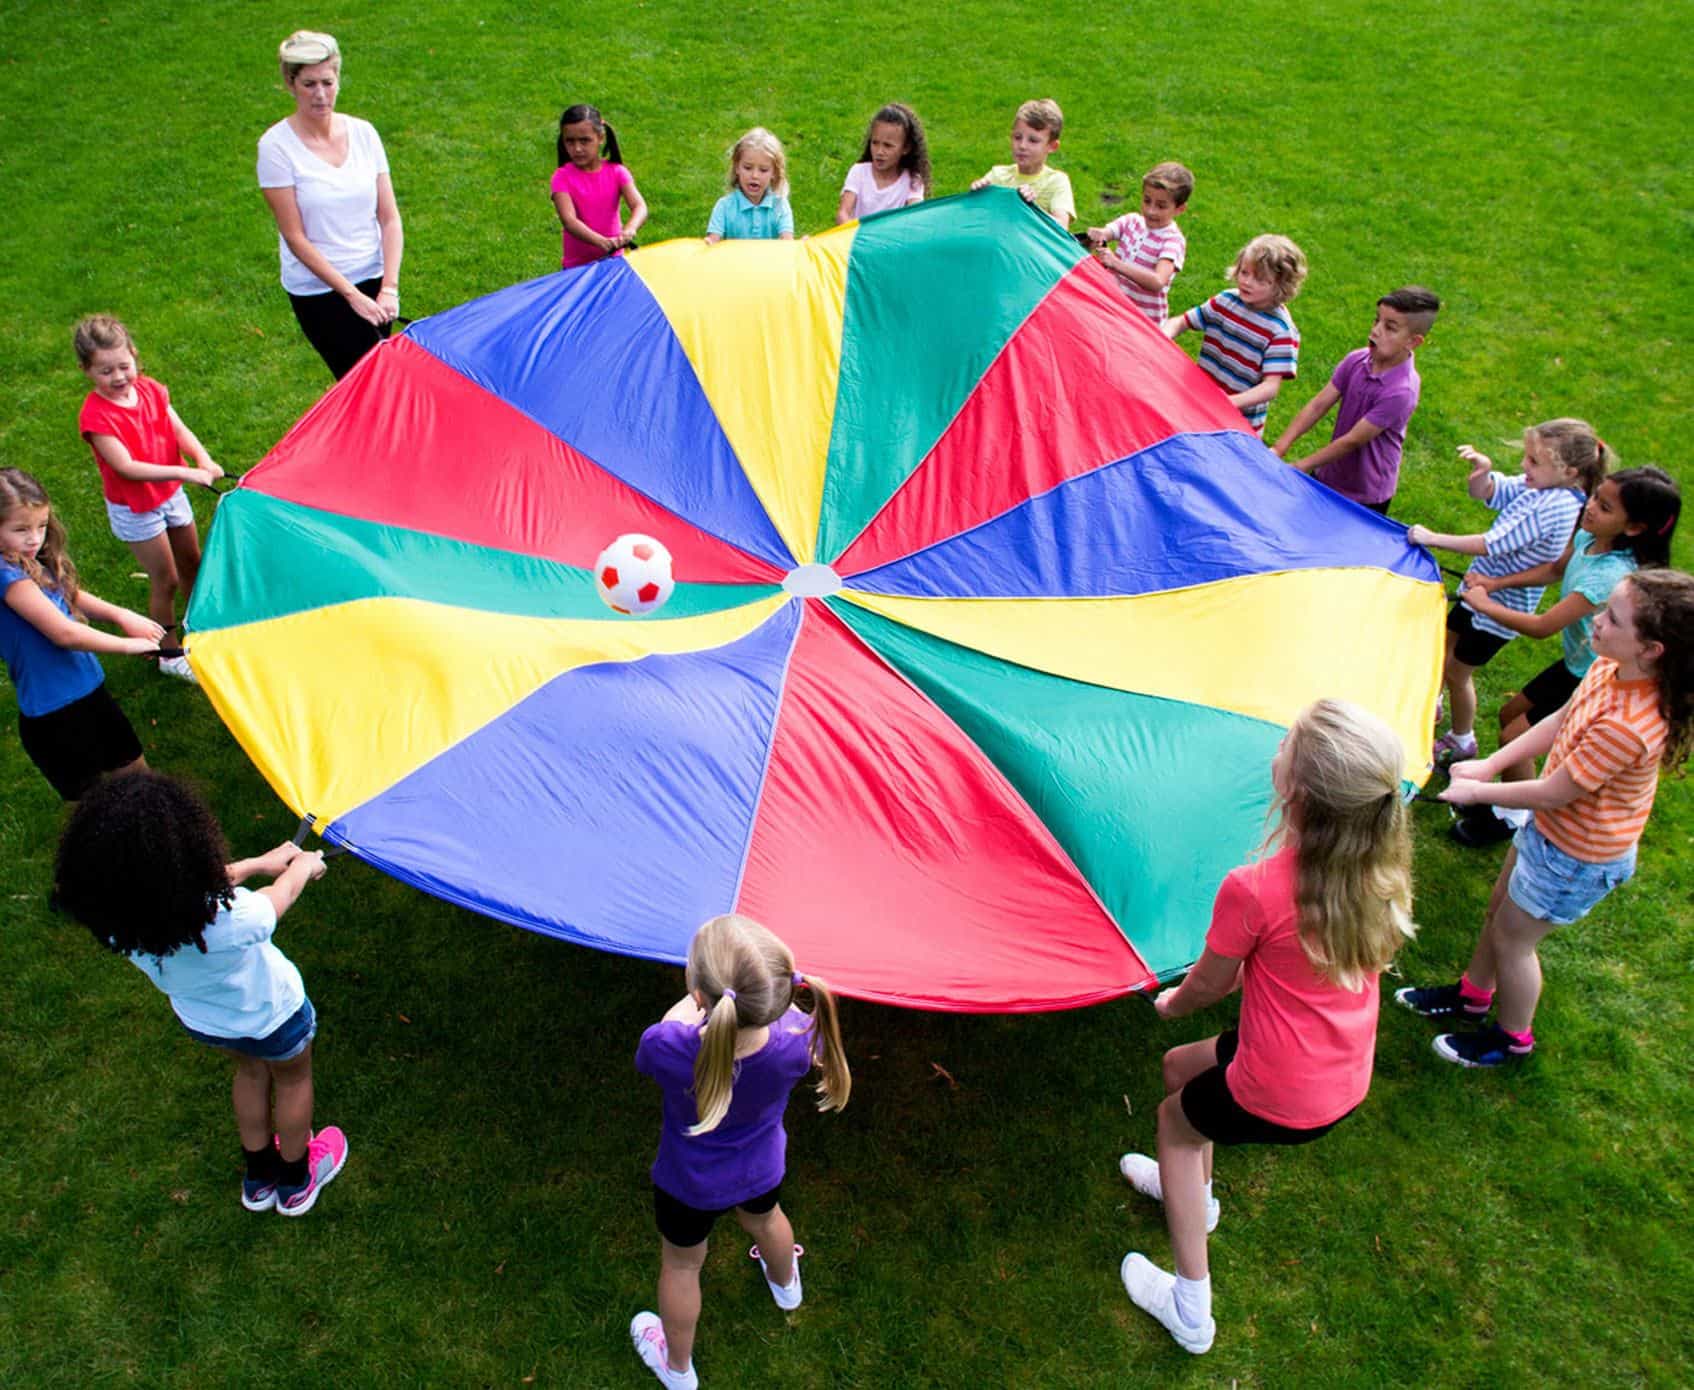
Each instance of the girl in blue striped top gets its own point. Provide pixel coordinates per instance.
(1564, 461)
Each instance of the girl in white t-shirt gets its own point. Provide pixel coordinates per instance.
(325, 177)
(893, 169)
(142, 866)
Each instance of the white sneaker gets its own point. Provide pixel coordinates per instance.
(787, 1298)
(1154, 1292)
(1142, 1173)
(648, 1334)
(178, 666)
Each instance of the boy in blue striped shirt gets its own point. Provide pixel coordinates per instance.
(1250, 342)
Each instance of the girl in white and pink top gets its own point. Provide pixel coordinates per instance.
(587, 187)
(1304, 934)
(893, 169)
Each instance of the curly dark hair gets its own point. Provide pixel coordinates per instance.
(142, 864)
(915, 161)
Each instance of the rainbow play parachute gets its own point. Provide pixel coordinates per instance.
(990, 611)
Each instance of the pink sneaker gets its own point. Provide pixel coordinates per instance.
(1450, 749)
(648, 1335)
(788, 1296)
(325, 1155)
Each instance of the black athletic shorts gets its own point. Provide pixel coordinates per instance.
(683, 1225)
(334, 327)
(1550, 691)
(1211, 1109)
(78, 743)
(1475, 647)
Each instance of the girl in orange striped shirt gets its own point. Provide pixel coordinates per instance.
(1632, 715)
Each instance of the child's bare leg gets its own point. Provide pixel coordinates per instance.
(1182, 1159)
(1514, 720)
(1461, 693)
(293, 1082)
(185, 550)
(1483, 970)
(250, 1093)
(774, 1236)
(155, 557)
(1516, 935)
(679, 1298)
(1447, 661)
(1182, 1065)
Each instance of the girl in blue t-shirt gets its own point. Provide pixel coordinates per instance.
(142, 864)
(1627, 523)
(725, 1058)
(68, 723)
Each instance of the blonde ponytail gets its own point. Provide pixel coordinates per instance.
(836, 1083)
(1345, 816)
(714, 1067)
(745, 977)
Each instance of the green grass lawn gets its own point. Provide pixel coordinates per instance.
(964, 1215)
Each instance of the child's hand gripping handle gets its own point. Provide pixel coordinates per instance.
(304, 829)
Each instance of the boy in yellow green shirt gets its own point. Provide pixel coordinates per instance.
(1035, 135)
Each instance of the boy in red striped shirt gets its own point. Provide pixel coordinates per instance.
(1632, 715)
(1150, 249)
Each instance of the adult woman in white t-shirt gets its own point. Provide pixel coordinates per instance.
(325, 177)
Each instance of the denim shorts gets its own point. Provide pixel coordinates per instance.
(173, 512)
(283, 1043)
(1549, 884)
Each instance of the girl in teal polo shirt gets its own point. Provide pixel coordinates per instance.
(756, 206)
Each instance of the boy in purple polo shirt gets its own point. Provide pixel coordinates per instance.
(1378, 389)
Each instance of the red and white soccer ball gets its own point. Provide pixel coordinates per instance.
(633, 575)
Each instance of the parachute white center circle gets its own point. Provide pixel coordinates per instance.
(811, 581)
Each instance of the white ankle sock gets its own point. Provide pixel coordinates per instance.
(1194, 1300)
(684, 1379)
(1209, 1198)
(1465, 735)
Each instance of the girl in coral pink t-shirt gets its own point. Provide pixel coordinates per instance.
(588, 185)
(1304, 934)
(140, 444)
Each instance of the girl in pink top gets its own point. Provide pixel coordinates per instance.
(587, 187)
(1304, 935)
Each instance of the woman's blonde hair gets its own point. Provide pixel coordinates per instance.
(760, 139)
(306, 48)
(51, 566)
(1343, 812)
(747, 979)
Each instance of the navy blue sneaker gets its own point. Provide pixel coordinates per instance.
(1492, 1046)
(1440, 1001)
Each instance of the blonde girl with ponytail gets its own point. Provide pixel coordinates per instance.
(725, 1058)
(1303, 932)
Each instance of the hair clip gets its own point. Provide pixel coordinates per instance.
(799, 979)
(1668, 527)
